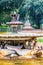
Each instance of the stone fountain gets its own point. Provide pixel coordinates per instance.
(15, 24)
(24, 36)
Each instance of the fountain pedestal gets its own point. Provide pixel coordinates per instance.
(14, 25)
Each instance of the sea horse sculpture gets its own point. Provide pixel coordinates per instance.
(34, 52)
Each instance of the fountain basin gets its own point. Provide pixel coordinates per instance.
(38, 61)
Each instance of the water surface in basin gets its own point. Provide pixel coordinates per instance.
(22, 62)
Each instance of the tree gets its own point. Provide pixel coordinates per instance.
(28, 9)
(36, 12)
(6, 7)
(33, 9)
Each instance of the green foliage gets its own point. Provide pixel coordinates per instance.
(28, 9)
(6, 7)
(33, 9)
(3, 28)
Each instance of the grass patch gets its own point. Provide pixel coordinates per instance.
(40, 41)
